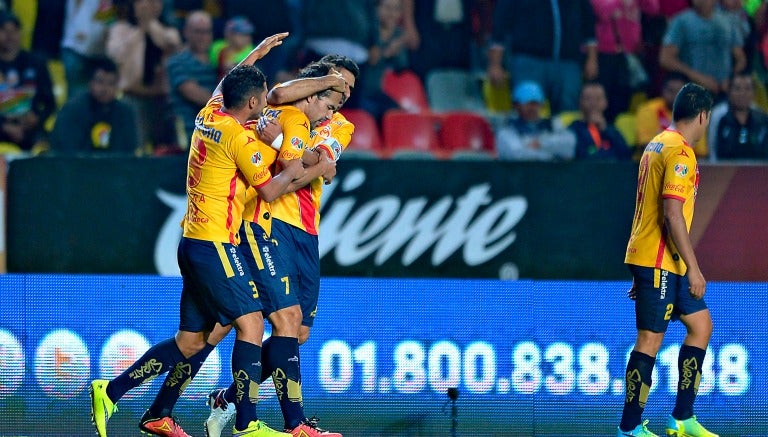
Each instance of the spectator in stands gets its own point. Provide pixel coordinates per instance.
(192, 77)
(618, 31)
(528, 136)
(347, 28)
(388, 52)
(545, 41)
(596, 138)
(703, 44)
(270, 18)
(85, 33)
(738, 130)
(139, 43)
(234, 47)
(96, 121)
(443, 24)
(26, 92)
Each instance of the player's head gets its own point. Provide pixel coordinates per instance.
(103, 82)
(245, 87)
(321, 106)
(348, 69)
(691, 102)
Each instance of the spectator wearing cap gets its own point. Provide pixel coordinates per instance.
(528, 136)
(26, 92)
(234, 47)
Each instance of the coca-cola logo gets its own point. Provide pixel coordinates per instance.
(356, 227)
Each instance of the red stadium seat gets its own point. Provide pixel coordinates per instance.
(405, 131)
(367, 138)
(406, 88)
(467, 132)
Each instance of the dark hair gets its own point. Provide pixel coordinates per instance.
(240, 84)
(317, 69)
(342, 61)
(103, 64)
(743, 73)
(692, 100)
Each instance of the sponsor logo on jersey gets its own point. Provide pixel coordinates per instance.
(681, 170)
(256, 158)
(297, 143)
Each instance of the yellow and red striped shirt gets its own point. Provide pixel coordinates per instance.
(668, 169)
(224, 159)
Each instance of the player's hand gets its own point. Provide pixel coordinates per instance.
(497, 75)
(632, 292)
(294, 168)
(269, 43)
(336, 81)
(268, 129)
(698, 284)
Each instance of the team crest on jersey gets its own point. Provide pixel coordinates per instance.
(256, 158)
(297, 143)
(681, 170)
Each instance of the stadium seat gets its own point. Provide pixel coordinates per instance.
(366, 138)
(405, 88)
(410, 132)
(625, 124)
(454, 90)
(466, 132)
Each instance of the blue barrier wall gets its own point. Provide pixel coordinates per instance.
(528, 357)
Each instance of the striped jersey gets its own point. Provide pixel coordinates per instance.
(668, 170)
(224, 159)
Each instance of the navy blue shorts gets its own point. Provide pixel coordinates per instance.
(661, 296)
(265, 257)
(217, 285)
(302, 254)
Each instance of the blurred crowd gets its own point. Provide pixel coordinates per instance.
(549, 80)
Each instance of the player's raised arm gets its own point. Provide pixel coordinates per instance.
(298, 89)
(257, 53)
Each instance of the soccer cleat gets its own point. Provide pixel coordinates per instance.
(102, 406)
(162, 426)
(687, 428)
(257, 428)
(221, 413)
(639, 431)
(309, 428)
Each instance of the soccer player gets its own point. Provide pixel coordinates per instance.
(293, 252)
(667, 282)
(225, 158)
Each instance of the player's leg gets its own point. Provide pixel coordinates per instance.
(654, 306)
(276, 264)
(157, 360)
(202, 270)
(698, 323)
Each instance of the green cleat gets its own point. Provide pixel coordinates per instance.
(257, 428)
(639, 431)
(687, 428)
(102, 406)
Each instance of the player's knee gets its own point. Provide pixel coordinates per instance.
(286, 321)
(250, 327)
(190, 343)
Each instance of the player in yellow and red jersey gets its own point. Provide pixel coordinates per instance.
(667, 282)
(285, 255)
(225, 158)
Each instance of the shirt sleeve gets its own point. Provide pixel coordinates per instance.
(295, 135)
(250, 159)
(338, 140)
(679, 174)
